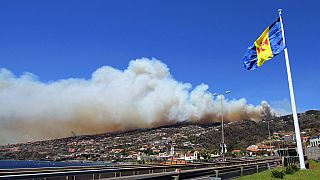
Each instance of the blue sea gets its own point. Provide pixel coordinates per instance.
(13, 164)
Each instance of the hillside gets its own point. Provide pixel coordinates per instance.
(185, 136)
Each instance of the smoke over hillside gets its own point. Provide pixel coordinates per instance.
(144, 95)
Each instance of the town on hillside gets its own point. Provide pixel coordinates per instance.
(178, 144)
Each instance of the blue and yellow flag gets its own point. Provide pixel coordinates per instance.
(268, 45)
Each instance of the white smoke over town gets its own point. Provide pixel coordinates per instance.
(142, 96)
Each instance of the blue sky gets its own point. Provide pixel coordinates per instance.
(200, 41)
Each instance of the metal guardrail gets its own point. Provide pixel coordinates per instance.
(64, 174)
(48, 169)
(132, 171)
(224, 172)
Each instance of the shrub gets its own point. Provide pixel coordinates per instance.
(277, 173)
(295, 167)
(291, 169)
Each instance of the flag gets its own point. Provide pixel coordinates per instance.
(268, 45)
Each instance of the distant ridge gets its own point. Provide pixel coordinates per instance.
(204, 137)
(254, 130)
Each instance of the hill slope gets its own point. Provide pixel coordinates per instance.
(184, 136)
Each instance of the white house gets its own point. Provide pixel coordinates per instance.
(191, 156)
(172, 150)
(315, 141)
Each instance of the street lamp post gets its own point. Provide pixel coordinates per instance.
(269, 138)
(222, 123)
(269, 133)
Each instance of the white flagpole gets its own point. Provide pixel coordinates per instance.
(293, 102)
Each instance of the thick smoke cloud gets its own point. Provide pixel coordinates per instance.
(142, 96)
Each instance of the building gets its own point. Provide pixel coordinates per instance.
(191, 156)
(315, 141)
(288, 137)
(305, 139)
(265, 148)
(253, 148)
(172, 150)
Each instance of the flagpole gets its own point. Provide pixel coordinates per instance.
(293, 102)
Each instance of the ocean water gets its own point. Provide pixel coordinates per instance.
(13, 164)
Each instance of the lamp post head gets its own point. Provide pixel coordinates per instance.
(216, 94)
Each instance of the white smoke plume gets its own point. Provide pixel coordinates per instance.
(142, 96)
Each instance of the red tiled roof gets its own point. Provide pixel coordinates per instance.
(253, 150)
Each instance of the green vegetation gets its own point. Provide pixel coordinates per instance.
(291, 169)
(277, 173)
(312, 173)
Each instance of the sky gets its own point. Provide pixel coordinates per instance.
(200, 42)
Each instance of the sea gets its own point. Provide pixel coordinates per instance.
(13, 164)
